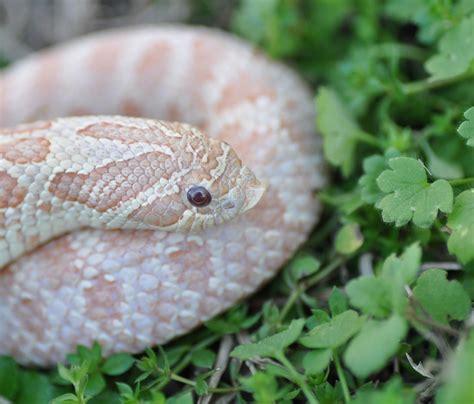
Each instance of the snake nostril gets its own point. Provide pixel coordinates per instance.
(228, 204)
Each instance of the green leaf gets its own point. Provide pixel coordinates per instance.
(360, 77)
(410, 196)
(326, 393)
(251, 17)
(233, 321)
(35, 389)
(316, 361)
(291, 395)
(466, 129)
(201, 387)
(381, 295)
(393, 392)
(458, 387)
(125, 390)
(303, 265)
(334, 333)
(263, 387)
(268, 23)
(376, 343)
(9, 377)
(399, 272)
(461, 221)
(441, 298)
(65, 373)
(117, 364)
(405, 10)
(112, 397)
(374, 166)
(337, 302)
(181, 398)
(92, 355)
(317, 317)
(203, 358)
(432, 17)
(371, 295)
(272, 345)
(349, 239)
(403, 270)
(338, 128)
(222, 326)
(95, 384)
(67, 398)
(441, 168)
(456, 52)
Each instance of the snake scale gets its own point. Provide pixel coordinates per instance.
(130, 231)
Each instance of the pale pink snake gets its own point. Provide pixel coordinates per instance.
(129, 289)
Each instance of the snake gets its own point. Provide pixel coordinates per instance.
(151, 177)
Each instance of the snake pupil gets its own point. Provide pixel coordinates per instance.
(199, 196)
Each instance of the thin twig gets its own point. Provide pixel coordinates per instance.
(342, 378)
(227, 343)
(303, 286)
(4, 400)
(243, 338)
(226, 399)
(366, 266)
(448, 266)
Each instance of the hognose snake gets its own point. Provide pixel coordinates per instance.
(63, 181)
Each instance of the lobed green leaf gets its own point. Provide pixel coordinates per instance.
(461, 221)
(338, 128)
(334, 333)
(410, 196)
(270, 346)
(440, 298)
(372, 348)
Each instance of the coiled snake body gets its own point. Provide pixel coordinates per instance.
(131, 231)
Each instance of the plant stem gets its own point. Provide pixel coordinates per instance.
(289, 303)
(429, 84)
(305, 285)
(313, 280)
(181, 379)
(342, 377)
(298, 378)
(369, 139)
(184, 362)
(405, 51)
(461, 181)
(411, 315)
(188, 382)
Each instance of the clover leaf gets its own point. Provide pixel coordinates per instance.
(458, 387)
(456, 52)
(466, 129)
(375, 344)
(374, 166)
(440, 298)
(410, 195)
(461, 221)
(338, 128)
(334, 333)
(383, 294)
(270, 346)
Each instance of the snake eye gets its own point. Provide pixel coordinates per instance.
(199, 196)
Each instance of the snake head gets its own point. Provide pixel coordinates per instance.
(208, 185)
(219, 190)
